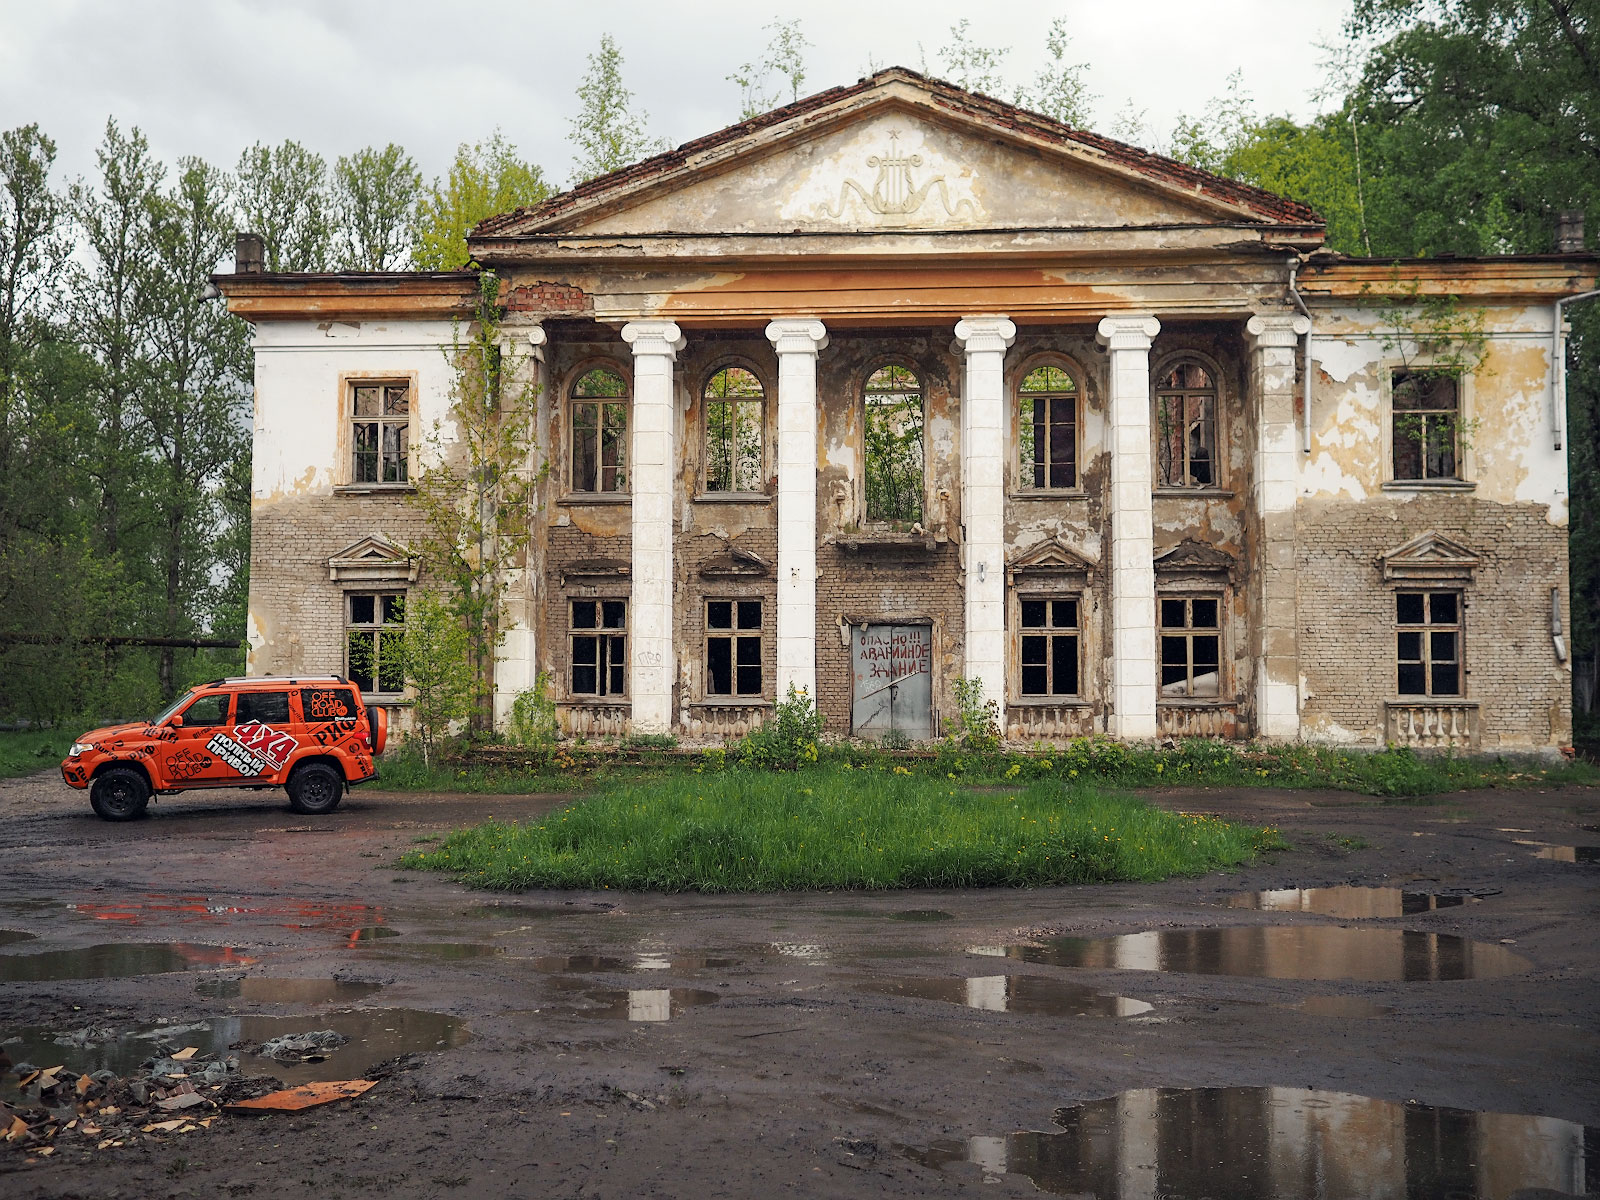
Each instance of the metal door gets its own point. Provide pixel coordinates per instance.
(893, 668)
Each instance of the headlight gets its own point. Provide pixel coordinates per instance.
(79, 748)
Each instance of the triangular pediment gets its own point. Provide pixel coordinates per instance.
(596, 570)
(373, 558)
(896, 152)
(1190, 557)
(1429, 555)
(1050, 559)
(735, 564)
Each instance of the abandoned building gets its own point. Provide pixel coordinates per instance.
(900, 385)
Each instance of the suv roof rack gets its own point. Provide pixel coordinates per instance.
(274, 679)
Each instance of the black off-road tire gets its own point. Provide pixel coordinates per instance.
(120, 794)
(315, 788)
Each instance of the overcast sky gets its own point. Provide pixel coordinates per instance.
(210, 77)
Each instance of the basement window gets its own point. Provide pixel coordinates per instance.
(733, 647)
(1428, 643)
(598, 644)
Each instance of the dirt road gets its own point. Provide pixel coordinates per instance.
(605, 1044)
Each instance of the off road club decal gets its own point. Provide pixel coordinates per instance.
(252, 748)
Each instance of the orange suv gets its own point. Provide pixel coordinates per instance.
(310, 736)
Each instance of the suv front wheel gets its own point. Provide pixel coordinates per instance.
(315, 788)
(120, 794)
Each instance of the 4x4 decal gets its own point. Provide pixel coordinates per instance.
(253, 748)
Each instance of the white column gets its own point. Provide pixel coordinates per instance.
(1272, 596)
(653, 460)
(797, 342)
(983, 473)
(1133, 581)
(516, 667)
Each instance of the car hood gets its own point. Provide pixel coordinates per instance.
(109, 732)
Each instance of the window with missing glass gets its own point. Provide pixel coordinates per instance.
(734, 407)
(374, 641)
(1047, 429)
(733, 647)
(1426, 418)
(1047, 646)
(1191, 646)
(598, 412)
(1186, 427)
(380, 432)
(598, 648)
(893, 430)
(1428, 643)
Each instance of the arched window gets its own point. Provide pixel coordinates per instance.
(893, 445)
(1186, 427)
(1047, 428)
(598, 412)
(735, 429)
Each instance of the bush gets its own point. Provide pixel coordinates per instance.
(788, 739)
(533, 716)
(977, 722)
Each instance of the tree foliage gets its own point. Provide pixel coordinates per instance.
(375, 198)
(784, 57)
(284, 196)
(485, 179)
(608, 133)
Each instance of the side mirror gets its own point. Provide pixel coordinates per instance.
(177, 721)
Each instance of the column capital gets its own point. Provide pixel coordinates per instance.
(1276, 329)
(797, 335)
(1132, 332)
(653, 337)
(978, 334)
(537, 336)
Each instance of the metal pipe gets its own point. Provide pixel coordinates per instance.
(1558, 367)
(1294, 267)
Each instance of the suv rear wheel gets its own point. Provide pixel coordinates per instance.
(315, 788)
(120, 794)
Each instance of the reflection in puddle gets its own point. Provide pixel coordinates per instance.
(1571, 854)
(445, 951)
(290, 914)
(645, 960)
(921, 914)
(1354, 902)
(371, 933)
(10, 936)
(640, 1004)
(1279, 1144)
(255, 990)
(1280, 952)
(1027, 994)
(1354, 1007)
(375, 1035)
(118, 961)
(522, 912)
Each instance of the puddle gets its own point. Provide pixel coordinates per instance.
(921, 914)
(1280, 952)
(588, 964)
(1280, 1144)
(1571, 854)
(1353, 902)
(118, 961)
(1352, 1007)
(640, 1004)
(165, 909)
(522, 912)
(11, 936)
(371, 933)
(1027, 994)
(375, 1035)
(446, 951)
(254, 990)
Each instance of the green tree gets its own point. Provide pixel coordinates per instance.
(968, 65)
(784, 56)
(436, 658)
(608, 133)
(33, 249)
(375, 198)
(283, 195)
(1059, 90)
(485, 179)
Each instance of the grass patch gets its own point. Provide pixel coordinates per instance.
(25, 751)
(826, 827)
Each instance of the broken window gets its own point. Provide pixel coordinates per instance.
(1191, 646)
(599, 415)
(1047, 429)
(893, 443)
(1186, 427)
(1427, 418)
(734, 428)
(381, 432)
(1048, 646)
(374, 641)
(733, 647)
(599, 647)
(1428, 649)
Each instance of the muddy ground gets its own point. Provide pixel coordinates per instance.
(784, 1067)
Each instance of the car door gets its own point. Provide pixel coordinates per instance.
(263, 728)
(187, 759)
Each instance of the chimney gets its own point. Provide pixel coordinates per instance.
(249, 253)
(1569, 231)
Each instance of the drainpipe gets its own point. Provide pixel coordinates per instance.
(1558, 368)
(1294, 267)
(1556, 639)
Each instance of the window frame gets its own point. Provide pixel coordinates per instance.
(603, 663)
(570, 403)
(1426, 629)
(1020, 485)
(1465, 476)
(1219, 430)
(377, 627)
(1187, 594)
(734, 634)
(349, 381)
(1049, 595)
(920, 375)
(765, 472)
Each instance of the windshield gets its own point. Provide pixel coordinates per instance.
(172, 708)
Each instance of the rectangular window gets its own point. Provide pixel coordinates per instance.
(734, 418)
(1427, 419)
(599, 451)
(1049, 647)
(1428, 643)
(1191, 646)
(599, 647)
(733, 647)
(210, 709)
(381, 432)
(374, 641)
(270, 708)
(1047, 429)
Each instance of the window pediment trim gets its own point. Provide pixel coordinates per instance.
(372, 559)
(594, 570)
(1190, 557)
(1050, 561)
(735, 564)
(1430, 557)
